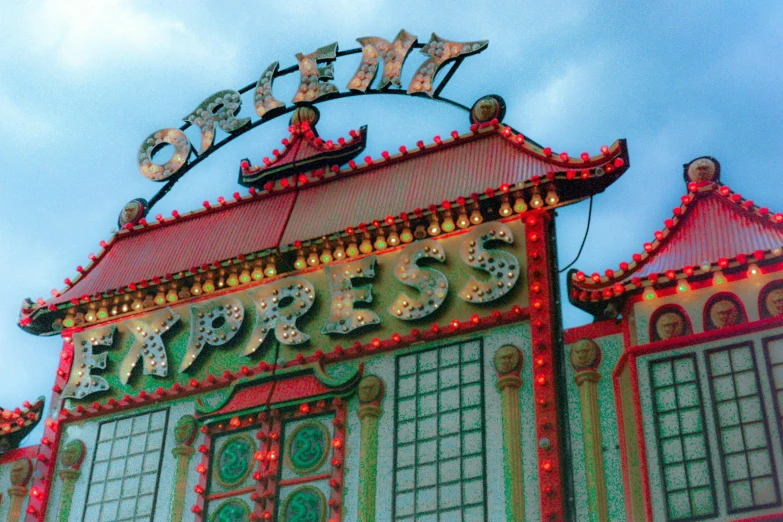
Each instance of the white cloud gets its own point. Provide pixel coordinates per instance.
(21, 123)
(85, 34)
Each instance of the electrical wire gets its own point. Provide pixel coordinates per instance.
(584, 239)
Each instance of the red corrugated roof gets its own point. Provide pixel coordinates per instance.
(488, 157)
(422, 180)
(222, 234)
(712, 229)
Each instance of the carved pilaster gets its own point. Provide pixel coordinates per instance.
(71, 458)
(184, 433)
(585, 357)
(371, 390)
(508, 365)
(21, 471)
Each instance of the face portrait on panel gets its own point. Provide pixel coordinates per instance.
(669, 322)
(723, 310)
(771, 300)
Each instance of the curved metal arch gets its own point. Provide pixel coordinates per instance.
(288, 109)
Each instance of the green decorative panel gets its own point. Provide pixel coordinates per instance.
(234, 510)
(307, 447)
(234, 460)
(304, 504)
(682, 440)
(123, 480)
(439, 441)
(746, 457)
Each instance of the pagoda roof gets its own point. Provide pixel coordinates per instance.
(17, 423)
(714, 229)
(309, 203)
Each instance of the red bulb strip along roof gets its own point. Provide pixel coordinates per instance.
(713, 228)
(17, 423)
(312, 204)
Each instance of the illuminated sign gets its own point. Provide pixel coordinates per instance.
(315, 70)
(312, 310)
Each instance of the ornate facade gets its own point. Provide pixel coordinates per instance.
(381, 340)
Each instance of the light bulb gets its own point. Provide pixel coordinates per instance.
(462, 220)
(520, 205)
(536, 201)
(352, 249)
(476, 217)
(300, 263)
(326, 255)
(448, 224)
(420, 232)
(380, 242)
(406, 236)
(339, 252)
(434, 228)
(552, 197)
(160, 298)
(270, 269)
(312, 259)
(366, 246)
(195, 289)
(394, 239)
(257, 273)
(245, 277)
(505, 209)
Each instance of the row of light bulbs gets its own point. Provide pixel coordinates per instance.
(327, 255)
(434, 228)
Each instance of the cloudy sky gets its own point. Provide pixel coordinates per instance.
(82, 83)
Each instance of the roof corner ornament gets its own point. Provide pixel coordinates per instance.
(703, 169)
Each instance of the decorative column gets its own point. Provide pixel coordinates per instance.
(21, 471)
(71, 457)
(585, 357)
(508, 365)
(371, 392)
(184, 434)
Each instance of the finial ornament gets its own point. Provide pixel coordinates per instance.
(705, 168)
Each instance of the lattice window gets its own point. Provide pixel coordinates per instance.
(439, 443)
(124, 475)
(774, 352)
(746, 456)
(682, 441)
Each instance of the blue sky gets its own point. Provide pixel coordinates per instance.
(82, 83)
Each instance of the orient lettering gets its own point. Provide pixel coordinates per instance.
(265, 103)
(220, 108)
(344, 318)
(213, 324)
(502, 266)
(431, 283)
(81, 382)
(156, 141)
(393, 55)
(274, 314)
(440, 52)
(149, 345)
(311, 86)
